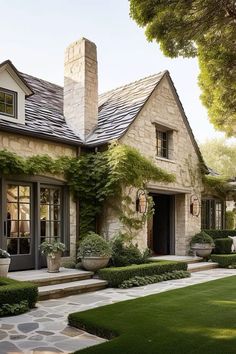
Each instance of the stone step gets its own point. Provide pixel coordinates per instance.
(71, 288)
(186, 259)
(43, 278)
(198, 267)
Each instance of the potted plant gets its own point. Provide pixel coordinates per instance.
(53, 251)
(5, 260)
(94, 252)
(202, 244)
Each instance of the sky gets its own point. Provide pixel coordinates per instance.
(36, 33)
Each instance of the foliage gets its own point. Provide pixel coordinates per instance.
(94, 178)
(220, 156)
(230, 220)
(179, 321)
(215, 234)
(116, 275)
(69, 264)
(124, 254)
(223, 245)
(94, 245)
(198, 28)
(10, 290)
(150, 279)
(4, 254)
(202, 237)
(224, 260)
(217, 185)
(51, 248)
(14, 309)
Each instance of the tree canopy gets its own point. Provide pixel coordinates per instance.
(202, 28)
(220, 156)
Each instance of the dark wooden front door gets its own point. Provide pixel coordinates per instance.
(18, 237)
(161, 225)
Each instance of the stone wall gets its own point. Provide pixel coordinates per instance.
(28, 146)
(162, 110)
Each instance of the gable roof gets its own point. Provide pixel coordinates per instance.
(7, 65)
(118, 108)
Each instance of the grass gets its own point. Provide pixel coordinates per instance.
(196, 319)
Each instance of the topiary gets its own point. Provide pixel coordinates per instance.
(94, 245)
(202, 237)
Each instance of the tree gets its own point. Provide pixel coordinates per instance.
(202, 28)
(220, 157)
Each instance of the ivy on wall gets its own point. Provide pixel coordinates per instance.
(95, 178)
(217, 185)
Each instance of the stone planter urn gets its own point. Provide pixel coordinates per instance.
(202, 249)
(4, 266)
(54, 262)
(94, 263)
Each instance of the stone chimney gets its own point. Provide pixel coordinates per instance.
(81, 87)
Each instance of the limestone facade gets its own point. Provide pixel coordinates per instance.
(163, 110)
(81, 87)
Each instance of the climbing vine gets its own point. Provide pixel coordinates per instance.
(95, 178)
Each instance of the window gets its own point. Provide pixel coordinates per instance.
(162, 143)
(50, 214)
(8, 103)
(212, 214)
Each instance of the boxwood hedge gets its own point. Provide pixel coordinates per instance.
(224, 260)
(116, 275)
(223, 245)
(13, 292)
(220, 233)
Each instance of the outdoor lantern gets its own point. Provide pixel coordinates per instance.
(141, 201)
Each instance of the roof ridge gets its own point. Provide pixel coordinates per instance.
(133, 82)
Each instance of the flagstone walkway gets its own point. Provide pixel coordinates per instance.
(44, 329)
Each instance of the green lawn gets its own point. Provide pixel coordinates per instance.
(196, 319)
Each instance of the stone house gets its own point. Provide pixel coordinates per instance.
(38, 117)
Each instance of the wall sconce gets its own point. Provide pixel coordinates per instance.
(141, 201)
(194, 205)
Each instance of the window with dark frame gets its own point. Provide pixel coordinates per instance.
(8, 103)
(162, 143)
(212, 214)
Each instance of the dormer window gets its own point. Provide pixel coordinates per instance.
(8, 103)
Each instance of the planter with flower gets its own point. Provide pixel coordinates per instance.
(202, 244)
(53, 251)
(5, 260)
(94, 252)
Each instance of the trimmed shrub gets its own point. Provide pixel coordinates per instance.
(202, 237)
(94, 245)
(224, 260)
(223, 245)
(13, 290)
(150, 279)
(14, 309)
(116, 275)
(126, 254)
(230, 220)
(220, 233)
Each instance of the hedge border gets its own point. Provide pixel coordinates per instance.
(12, 291)
(223, 245)
(116, 275)
(224, 260)
(220, 233)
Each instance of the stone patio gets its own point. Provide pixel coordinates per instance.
(45, 330)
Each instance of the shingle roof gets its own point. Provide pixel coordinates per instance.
(43, 113)
(118, 109)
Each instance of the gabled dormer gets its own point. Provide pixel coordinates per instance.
(13, 92)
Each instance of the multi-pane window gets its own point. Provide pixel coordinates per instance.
(8, 103)
(162, 143)
(50, 213)
(18, 224)
(212, 214)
